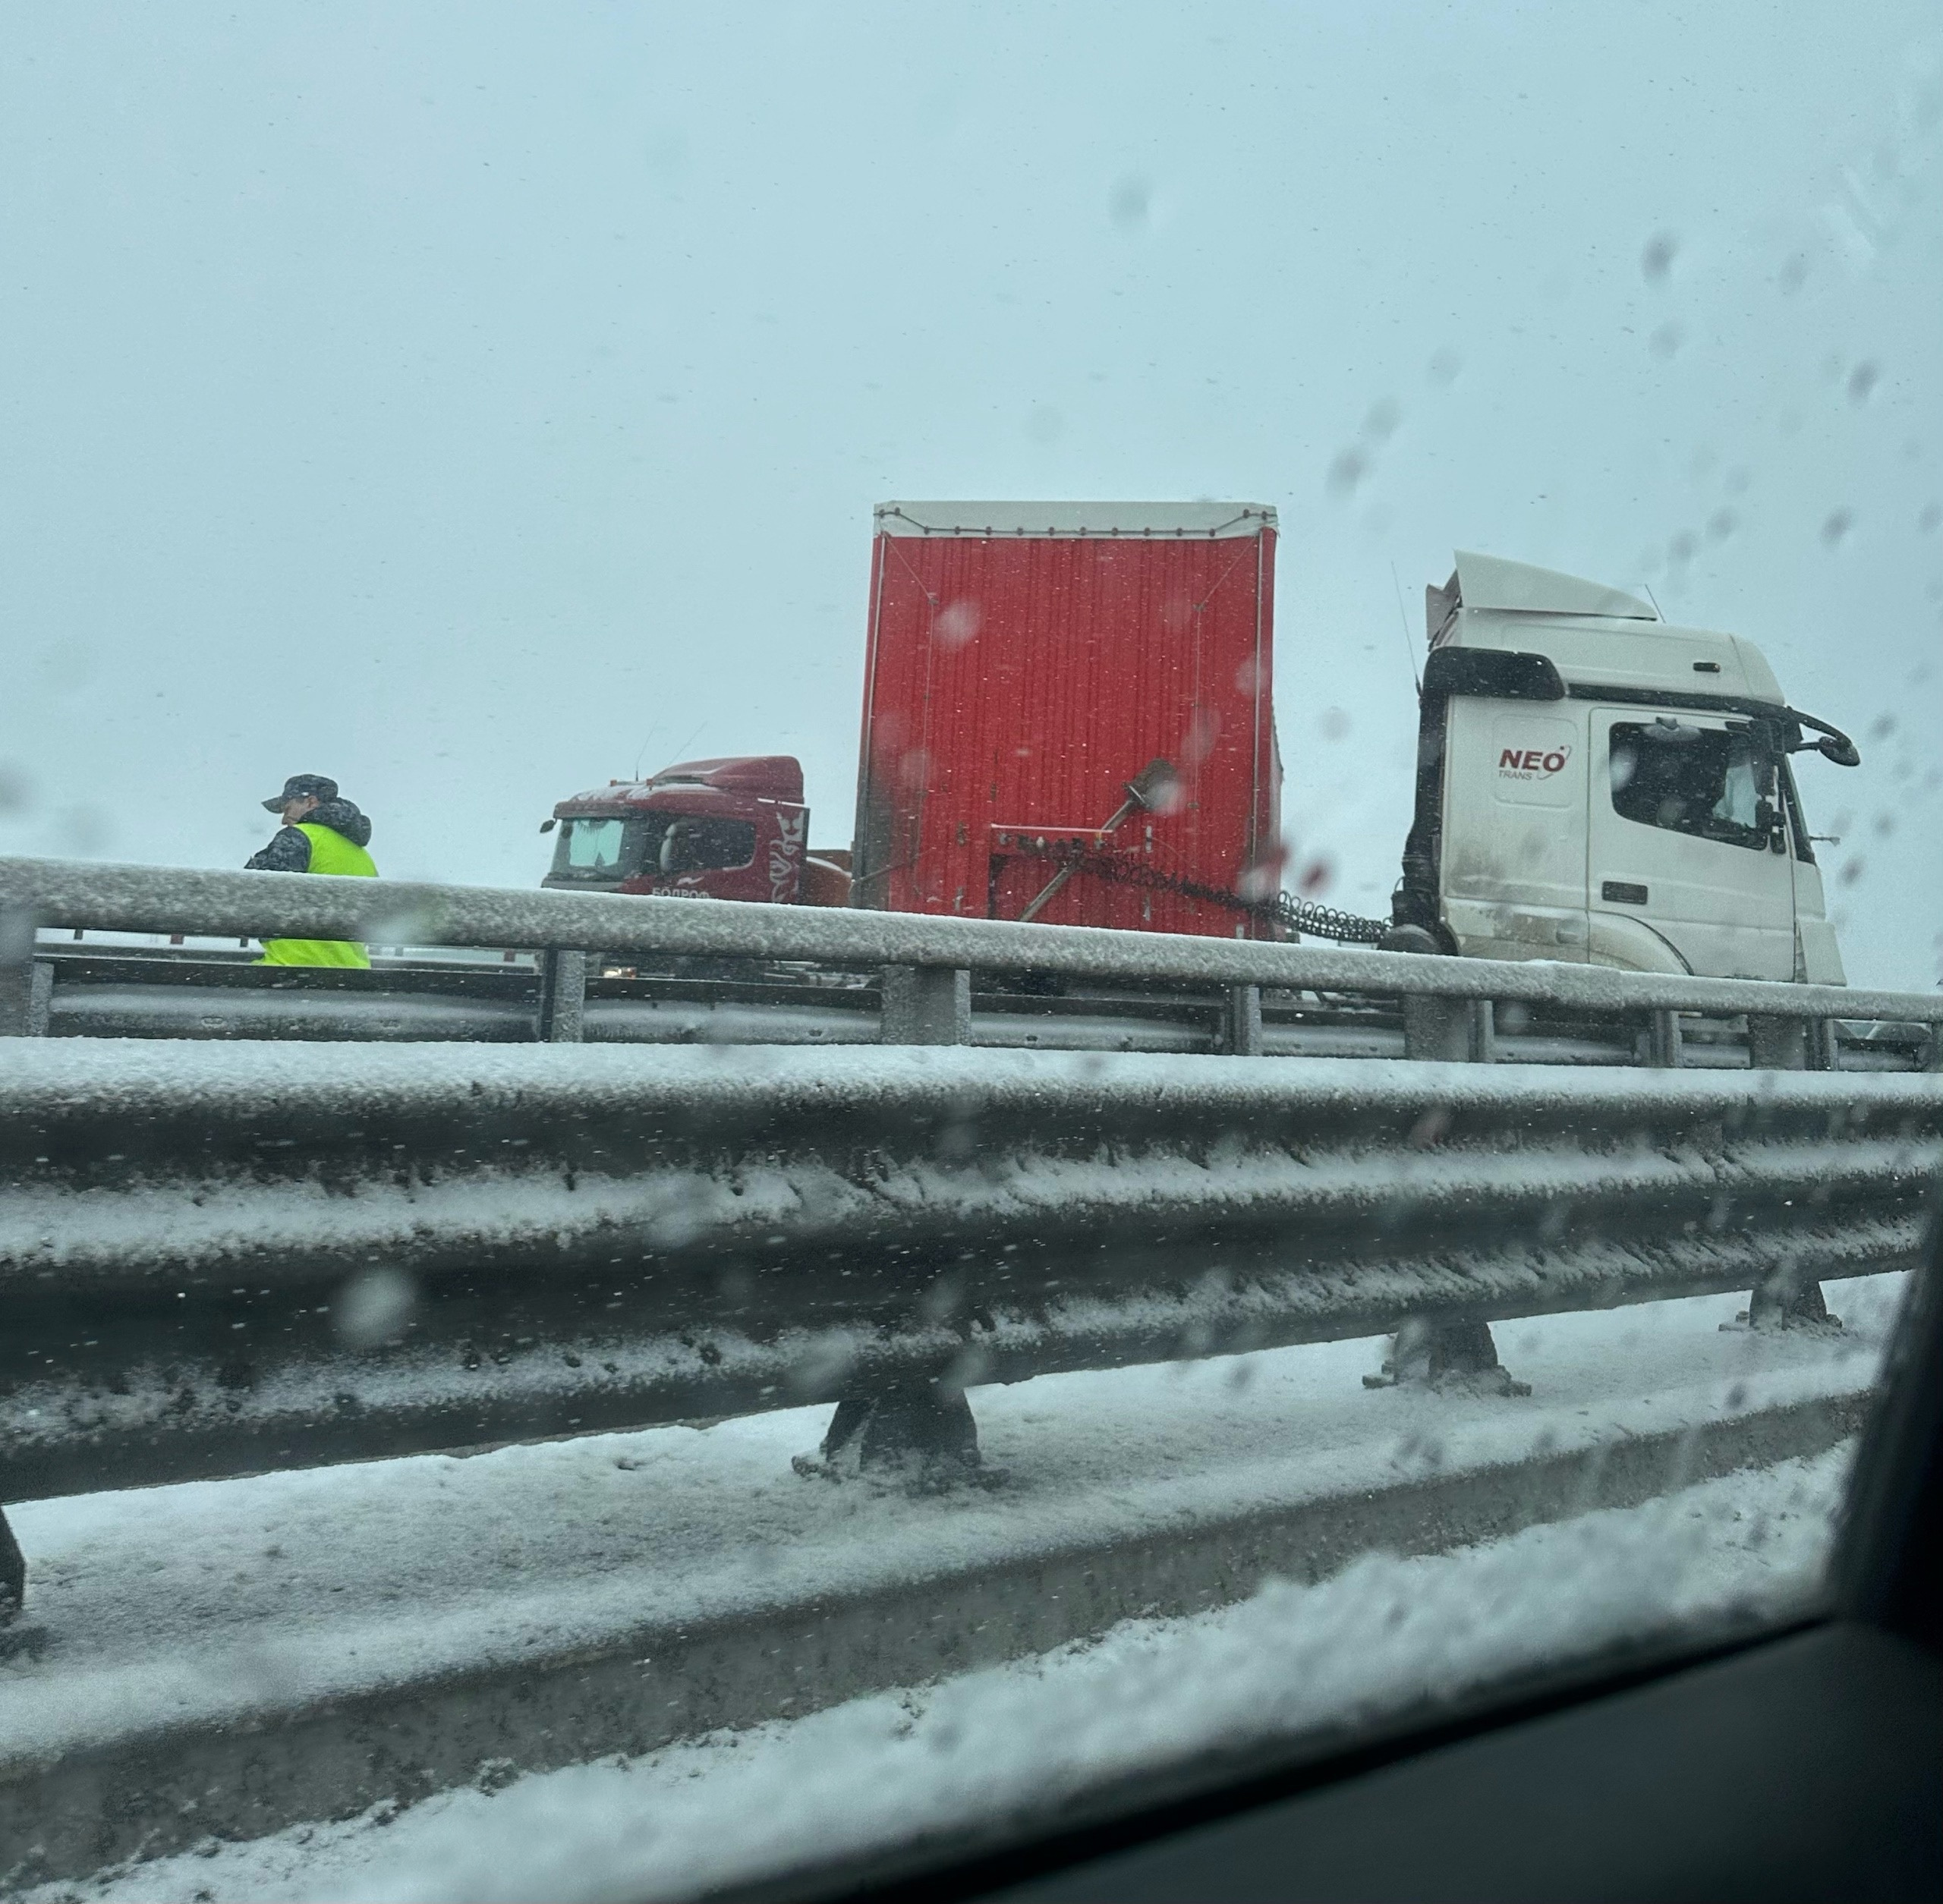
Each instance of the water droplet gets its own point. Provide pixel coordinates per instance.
(1131, 201)
(1656, 261)
(1203, 731)
(1381, 424)
(1666, 340)
(374, 1307)
(1929, 517)
(1349, 469)
(1834, 531)
(956, 624)
(1862, 380)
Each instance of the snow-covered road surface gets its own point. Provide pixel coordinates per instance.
(1012, 1744)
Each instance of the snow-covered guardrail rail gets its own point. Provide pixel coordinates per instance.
(927, 971)
(218, 1260)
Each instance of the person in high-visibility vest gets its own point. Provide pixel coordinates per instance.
(321, 833)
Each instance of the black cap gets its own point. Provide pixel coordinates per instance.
(299, 786)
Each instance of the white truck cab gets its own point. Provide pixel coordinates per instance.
(1594, 785)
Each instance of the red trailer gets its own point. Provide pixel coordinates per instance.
(1068, 716)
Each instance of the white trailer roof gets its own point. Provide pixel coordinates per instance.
(1209, 520)
(1489, 581)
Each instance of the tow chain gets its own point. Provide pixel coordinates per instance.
(1298, 915)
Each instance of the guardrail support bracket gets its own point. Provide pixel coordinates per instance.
(1663, 1040)
(562, 997)
(1456, 1031)
(1776, 1044)
(927, 1005)
(919, 1431)
(1244, 1021)
(1458, 1353)
(1784, 1302)
(13, 1573)
(27, 998)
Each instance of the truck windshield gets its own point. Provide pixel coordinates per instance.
(1687, 780)
(590, 849)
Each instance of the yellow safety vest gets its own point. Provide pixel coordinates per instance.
(330, 852)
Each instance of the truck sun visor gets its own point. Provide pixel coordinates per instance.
(1494, 673)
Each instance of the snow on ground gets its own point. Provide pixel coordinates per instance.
(1012, 1742)
(217, 1600)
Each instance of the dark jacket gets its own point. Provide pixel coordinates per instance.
(290, 851)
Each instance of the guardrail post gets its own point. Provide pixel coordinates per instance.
(922, 1430)
(1483, 1031)
(1459, 1030)
(1454, 1352)
(1437, 1027)
(13, 1573)
(1824, 1047)
(1243, 1021)
(1776, 1044)
(27, 998)
(927, 1005)
(1788, 1300)
(562, 997)
(1663, 1040)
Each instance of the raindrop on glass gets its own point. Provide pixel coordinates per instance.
(1656, 261)
(1349, 469)
(1131, 202)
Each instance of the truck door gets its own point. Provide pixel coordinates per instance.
(1513, 876)
(1681, 871)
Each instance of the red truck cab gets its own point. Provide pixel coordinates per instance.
(719, 829)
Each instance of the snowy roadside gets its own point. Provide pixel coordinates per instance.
(1014, 1742)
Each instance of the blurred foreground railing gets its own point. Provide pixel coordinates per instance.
(215, 1260)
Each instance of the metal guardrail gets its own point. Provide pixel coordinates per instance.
(215, 1260)
(98, 991)
(928, 963)
(218, 1260)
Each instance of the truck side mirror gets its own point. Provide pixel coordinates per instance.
(1839, 748)
(547, 826)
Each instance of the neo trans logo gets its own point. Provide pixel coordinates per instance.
(1532, 763)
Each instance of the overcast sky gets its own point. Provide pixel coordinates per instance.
(476, 402)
